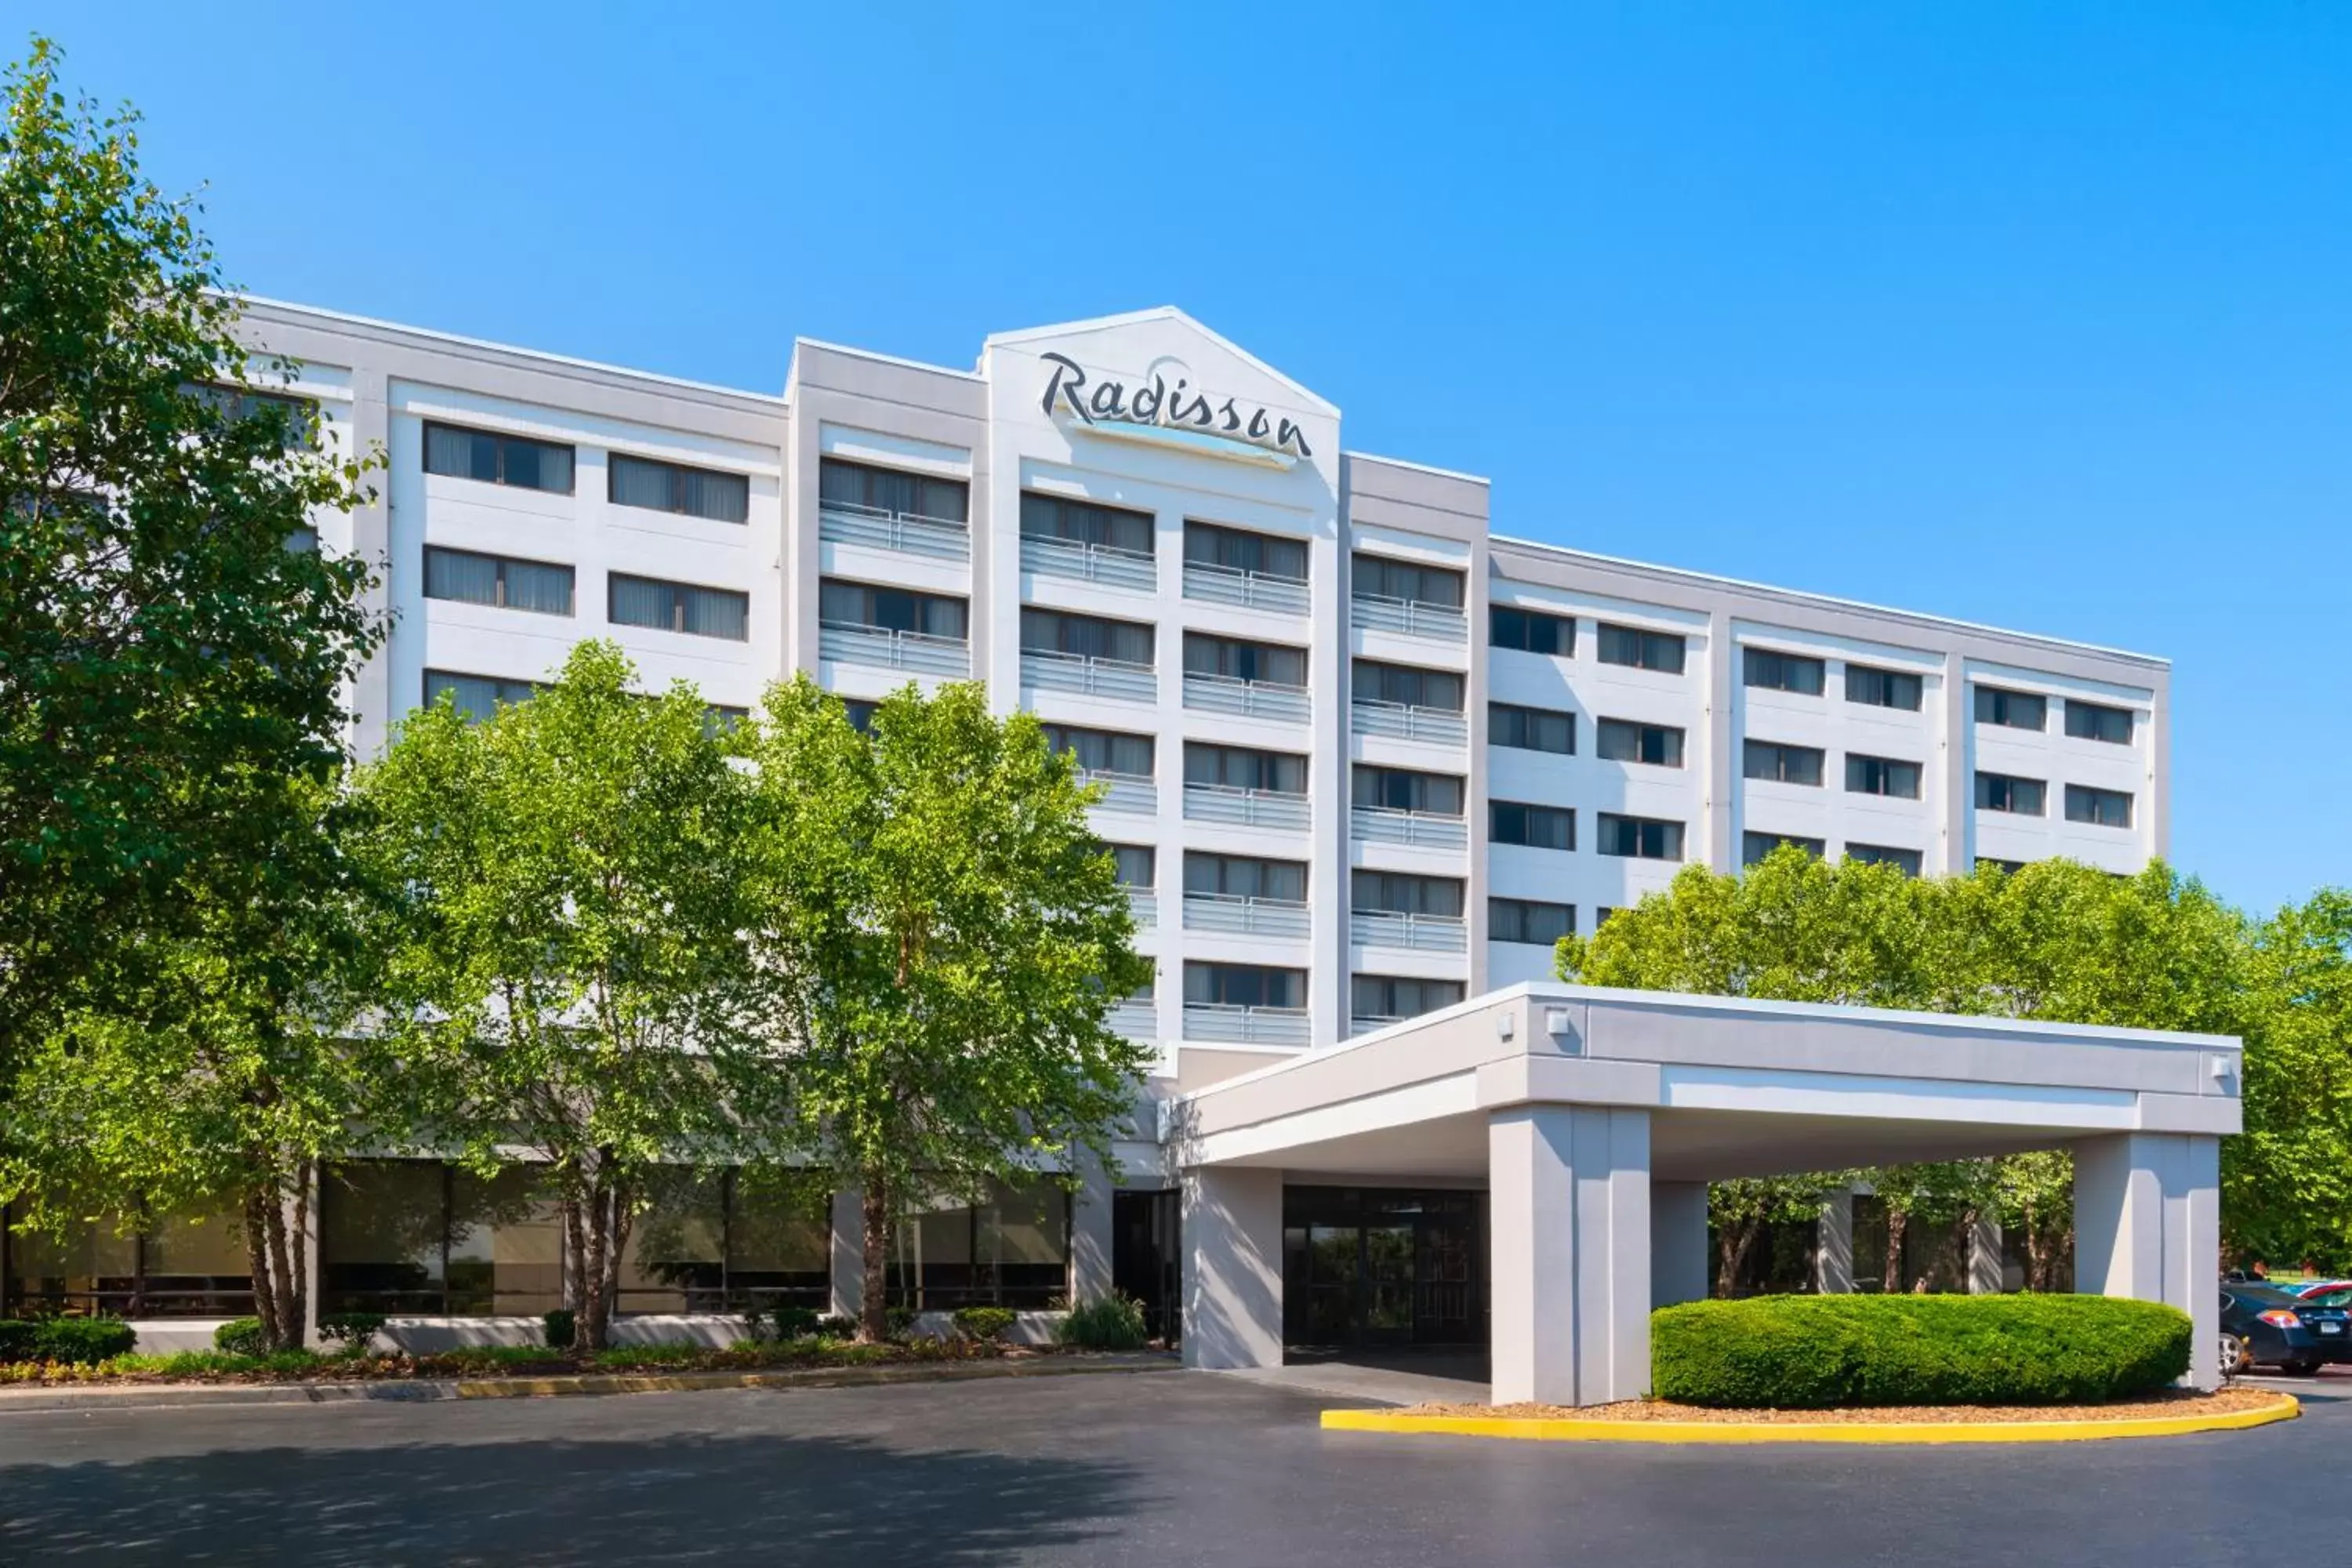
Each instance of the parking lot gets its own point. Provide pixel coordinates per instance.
(1161, 1469)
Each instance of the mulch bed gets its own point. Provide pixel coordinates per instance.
(2172, 1402)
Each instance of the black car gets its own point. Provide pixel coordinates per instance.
(2262, 1324)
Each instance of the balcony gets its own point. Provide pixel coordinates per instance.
(1128, 793)
(1143, 903)
(1043, 670)
(1412, 617)
(1393, 928)
(1101, 563)
(1251, 590)
(1437, 726)
(1223, 1021)
(1368, 1024)
(1420, 829)
(907, 532)
(1136, 1018)
(1248, 698)
(845, 642)
(1234, 915)
(1248, 807)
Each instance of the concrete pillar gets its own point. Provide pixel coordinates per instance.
(312, 1278)
(2147, 1223)
(848, 1253)
(1986, 1275)
(1569, 1196)
(1233, 1267)
(1834, 1244)
(1091, 1234)
(1680, 1267)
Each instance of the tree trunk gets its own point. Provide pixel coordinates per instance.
(278, 1255)
(874, 1308)
(597, 1225)
(1891, 1276)
(1734, 1241)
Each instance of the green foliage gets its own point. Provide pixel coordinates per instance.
(1112, 1323)
(241, 1336)
(559, 1328)
(836, 1326)
(1816, 1352)
(898, 1322)
(798, 1322)
(74, 1340)
(215, 1364)
(984, 1323)
(350, 1332)
(2286, 1181)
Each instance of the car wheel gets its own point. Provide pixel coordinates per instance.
(2235, 1362)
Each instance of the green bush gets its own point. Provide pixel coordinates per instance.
(559, 1327)
(984, 1323)
(1813, 1353)
(797, 1322)
(241, 1336)
(900, 1319)
(350, 1332)
(1107, 1323)
(836, 1326)
(79, 1340)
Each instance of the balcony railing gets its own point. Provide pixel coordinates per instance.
(1144, 904)
(1440, 726)
(1368, 1024)
(1251, 590)
(909, 532)
(1415, 618)
(1103, 563)
(1250, 698)
(1251, 1026)
(1046, 671)
(1136, 1020)
(1421, 829)
(1395, 928)
(845, 642)
(1126, 793)
(1239, 916)
(1248, 807)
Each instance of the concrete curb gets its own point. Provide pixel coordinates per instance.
(1568, 1430)
(175, 1395)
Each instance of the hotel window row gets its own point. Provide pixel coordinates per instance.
(546, 588)
(649, 484)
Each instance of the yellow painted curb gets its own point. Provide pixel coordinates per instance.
(1570, 1430)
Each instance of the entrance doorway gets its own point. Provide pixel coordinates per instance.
(1145, 1260)
(1371, 1268)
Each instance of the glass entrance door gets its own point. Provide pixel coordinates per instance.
(1381, 1267)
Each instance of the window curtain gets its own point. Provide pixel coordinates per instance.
(457, 574)
(531, 586)
(640, 602)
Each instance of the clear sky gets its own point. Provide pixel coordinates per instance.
(2035, 315)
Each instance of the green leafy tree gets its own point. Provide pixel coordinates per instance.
(161, 646)
(1740, 1210)
(568, 970)
(2286, 1183)
(949, 938)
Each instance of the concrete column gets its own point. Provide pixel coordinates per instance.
(1091, 1237)
(1569, 1196)
(848, 1253)
(2147, 1223)
(1233, 1267)
(1834, 1244)
(1679, 1265)
(311, 1275)
(1986, 1276)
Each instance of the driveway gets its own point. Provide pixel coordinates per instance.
(1158, 1469)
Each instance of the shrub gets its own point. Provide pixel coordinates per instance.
(836, 1326)
(797, 1322)
(1811, 1352)
(984, 1323)
(350, 1332)
(559, 1327)
(900, 1319)
(74, 1340)
(241, 1336)
(1107, 1323)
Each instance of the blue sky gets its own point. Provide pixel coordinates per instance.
(2035, 315)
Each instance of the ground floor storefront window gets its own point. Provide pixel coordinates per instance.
(1382, 1266)
(1013, 1250)
(189, 1263)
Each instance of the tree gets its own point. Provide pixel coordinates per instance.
(2286, 1181)
(949, 938)
(161, 646)
(1738, 1210)
(567, 970)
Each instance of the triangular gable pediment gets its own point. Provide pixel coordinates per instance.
(1128, 344)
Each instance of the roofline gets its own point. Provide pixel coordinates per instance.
(879, 358)
(1831, 600)
(1418, 468)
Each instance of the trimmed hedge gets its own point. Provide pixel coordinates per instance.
(1816, 1352)
(78, 1341)
(241, 1336)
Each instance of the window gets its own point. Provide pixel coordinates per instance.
(1083, 523)
(1138, 864)
(707, 1241)
(475, 697)
(1536, 826)
(1882, 775)
(1638, 649)
(2100, 807)
(288, 414)
(860, 713)
(1013, 1250)
(682, 607)
(1403, 789)
(415, 1235)
(1530, 631)
(1238, 550)
(1379, 577)
(1777, 671)
(1403, 893)
(185, 1263)
(1907, 861)
(468, 578)
(1244, 877)
(1276, 664)
(2089, 722)
(1601, 916)
(673, 487)
(496, 459)
(1103, 751)
(1530, 728)
(1781, 764)
(2006, 868)
(891, 609)
(1999, 791)
(1623, 740)
(1638, 837)
(1882, 687)
(1086, 637)
(1407, 685)
(860, 487)
(721, 716)
(1753, 847)
(1244, 986)
(1527, 921)
(1394, 996)
(2012, 709)
(1244, 767)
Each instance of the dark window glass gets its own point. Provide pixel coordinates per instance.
(1276, 664)
(476, 696)
(1245, 876)
(1239, 550)
(1528, 920)
(1403, 893)
(1783, 672)
(673, 487)
(1530, 728)
(1403, 789)
(1138, 864)
(1104, 751)
(1755, 846)
(1379, 577)
(892, 609)
(2013, 709)
(1781, 764)
(1407, 685)
(1882, 775)
(860, 712)
(685, 607)
(1601, 916)
(1083, 523)
(1013, 1250)
(496, 459)
(1623, 740)
(1244, 767)
(1882, 687)
(2101, 807)
(467, 577)
(1638, 837)
(1638, 649)
(860, 487)
(1397, 996)
(1907, 861)
(1245, 985)
(2008, 867)
(1086, 637)
(2000, 792)
(288, 414)
(2089, 722)
(1530, 631)
(1537, 827)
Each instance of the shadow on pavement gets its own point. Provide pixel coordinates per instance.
(686, 1499)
